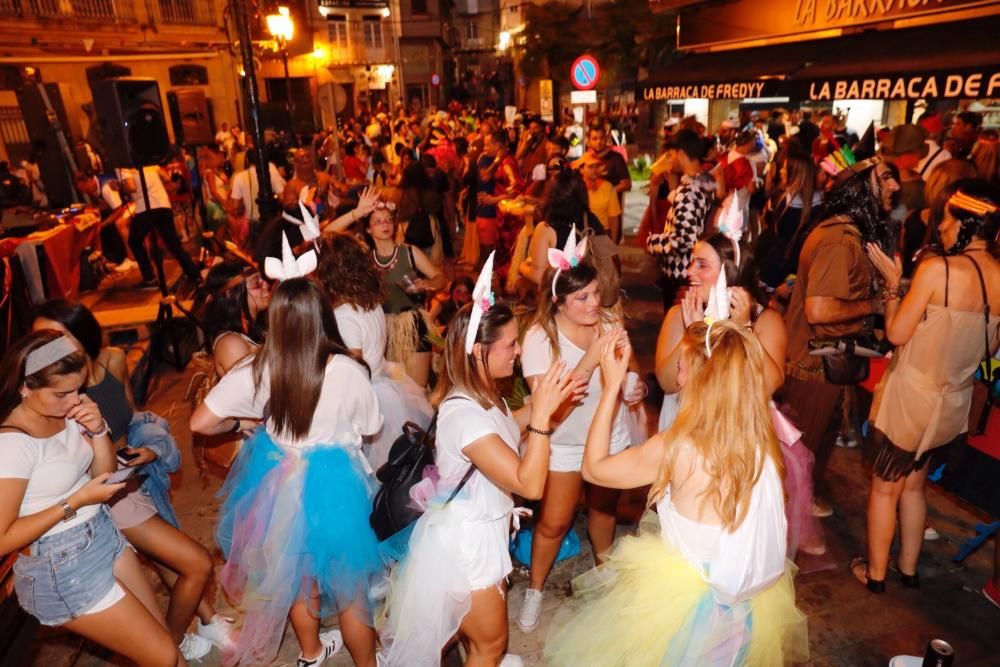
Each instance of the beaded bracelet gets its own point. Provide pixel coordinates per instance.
(532, 429)
(890, 293)
(105, 429)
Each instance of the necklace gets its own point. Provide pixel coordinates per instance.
(386, 266)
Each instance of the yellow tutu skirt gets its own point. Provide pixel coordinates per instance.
(648, 607)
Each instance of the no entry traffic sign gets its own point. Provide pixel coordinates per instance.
(585, 72)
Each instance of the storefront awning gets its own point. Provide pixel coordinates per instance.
(959, 60)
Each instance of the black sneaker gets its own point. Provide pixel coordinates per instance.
(148, 284)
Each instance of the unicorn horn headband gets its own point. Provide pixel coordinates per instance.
(309, 222)
(289, 266)
(482, 300)
(731, 225)
(567, 258)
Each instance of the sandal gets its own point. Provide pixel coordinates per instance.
(873, 585)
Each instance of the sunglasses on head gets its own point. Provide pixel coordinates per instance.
(387, 205)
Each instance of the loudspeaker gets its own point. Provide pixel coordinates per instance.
(131, 118)
(42, 130)
(191, 114)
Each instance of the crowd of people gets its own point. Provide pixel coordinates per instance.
(413, 270)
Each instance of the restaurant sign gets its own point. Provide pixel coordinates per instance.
(747, 20)
(941, 84)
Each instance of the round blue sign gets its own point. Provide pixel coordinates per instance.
(585, 72)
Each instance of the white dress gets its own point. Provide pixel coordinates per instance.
(400, 399)
(571, 433)
(455, 548)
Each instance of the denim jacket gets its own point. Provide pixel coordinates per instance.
(148, 429)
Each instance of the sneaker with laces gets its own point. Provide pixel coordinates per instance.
(221, 631)
(332, 642)
(531, 610)
(194, 647)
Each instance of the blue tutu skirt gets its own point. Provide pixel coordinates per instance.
(294, 527)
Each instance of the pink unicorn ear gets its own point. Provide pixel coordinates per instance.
(558, 259)
(581, 249)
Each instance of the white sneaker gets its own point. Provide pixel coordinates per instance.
(332, 642)
(127, 265)
(511, 660)
(194, 647)
(221, 631)
(931, 534)
(531, 611)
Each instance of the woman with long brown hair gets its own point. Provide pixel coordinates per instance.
(711, 584)
(73, 570)
(570, 325)
(454, 577)
(298, 498)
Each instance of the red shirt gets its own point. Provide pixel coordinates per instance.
(355, 169)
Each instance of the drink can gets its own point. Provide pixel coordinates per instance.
(939, 654)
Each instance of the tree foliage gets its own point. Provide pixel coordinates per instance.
(624, 35)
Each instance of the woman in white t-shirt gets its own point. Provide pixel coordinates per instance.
(73, 569)
(454, 577)
(570, 325)
(348, 274)
(294, 523)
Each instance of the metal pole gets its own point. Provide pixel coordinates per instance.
(265, 198)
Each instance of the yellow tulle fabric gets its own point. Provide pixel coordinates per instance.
(648, 607)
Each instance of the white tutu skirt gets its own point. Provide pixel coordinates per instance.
(400, 400)
(431, 592)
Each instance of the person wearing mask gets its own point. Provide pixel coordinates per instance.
(834, 297)
(687, 217)
(153, 212)
(944, 328)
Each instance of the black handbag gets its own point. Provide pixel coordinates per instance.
(841, 364)
(392, 509)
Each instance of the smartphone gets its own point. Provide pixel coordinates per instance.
(121, 475)
(124, 457)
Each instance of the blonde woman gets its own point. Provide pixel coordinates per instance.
(711, 586)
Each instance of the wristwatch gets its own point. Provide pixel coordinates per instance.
(68, 512)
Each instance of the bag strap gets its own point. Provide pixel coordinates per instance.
(465, 479)
(931, 161)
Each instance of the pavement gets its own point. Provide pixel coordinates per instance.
(848, 626)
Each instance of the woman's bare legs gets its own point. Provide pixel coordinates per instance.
(602, 515)
(484, 630)
(555, 517)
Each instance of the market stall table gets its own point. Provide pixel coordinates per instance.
(61, 246)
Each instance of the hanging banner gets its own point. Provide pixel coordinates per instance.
(545, 103)
(980, 83)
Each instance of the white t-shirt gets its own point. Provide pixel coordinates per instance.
(111, 196)
(154, 186)
(536, 359)
(347, 409)
(244, 188)
(462, 421)
(363, 330)
(55, 468)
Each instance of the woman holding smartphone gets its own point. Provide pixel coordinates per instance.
(73, 570)
(143, 512)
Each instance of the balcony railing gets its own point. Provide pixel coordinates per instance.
(81, 10)
(182, 12)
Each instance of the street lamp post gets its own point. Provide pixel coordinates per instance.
(282, 28)
(265, 198)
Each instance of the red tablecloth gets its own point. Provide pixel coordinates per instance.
(62, 246)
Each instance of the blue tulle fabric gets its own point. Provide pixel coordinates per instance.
(294, 527)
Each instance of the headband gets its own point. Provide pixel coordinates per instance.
(843, 159)
(48, 354)
(970, 204)
(708, 331)
(309, 223)
(482, 300)
(567, 258)
(289, 266)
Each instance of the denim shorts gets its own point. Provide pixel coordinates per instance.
(68, 573)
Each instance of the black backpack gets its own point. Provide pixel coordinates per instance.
(392, 509)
